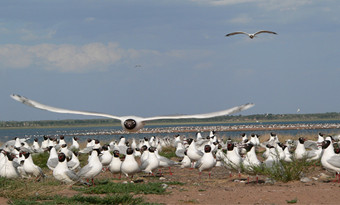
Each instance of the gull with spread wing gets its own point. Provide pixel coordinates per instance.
(131, 123)
(251, 35)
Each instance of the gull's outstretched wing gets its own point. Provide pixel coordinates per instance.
(35, 104)
(206, 115)
(237, 32)
(272, 32)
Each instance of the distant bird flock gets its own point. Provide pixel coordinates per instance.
(128, 158)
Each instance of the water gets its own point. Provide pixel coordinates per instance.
(107, 134)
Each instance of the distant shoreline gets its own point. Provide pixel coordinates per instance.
(288, 118)
(211, 127)
(242, 127)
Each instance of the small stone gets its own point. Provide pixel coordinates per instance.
(324, 177)
(162, 178)
(315, 178)
(305, 179)
(269, 181)
(164, 186)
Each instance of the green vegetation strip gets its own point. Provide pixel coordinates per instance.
(80, 199)
(106, 187)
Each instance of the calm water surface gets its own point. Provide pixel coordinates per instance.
(106, 134)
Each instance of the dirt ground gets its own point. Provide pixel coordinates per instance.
(222, 188)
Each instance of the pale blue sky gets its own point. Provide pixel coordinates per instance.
(83, 54)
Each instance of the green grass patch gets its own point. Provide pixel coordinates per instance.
(175, 183)
(293, 201)
(24, 188)
(110, 187)
(41, 159)
(284, 171)
(80, 199)
(168, 152)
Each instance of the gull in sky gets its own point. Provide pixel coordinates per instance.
(251, 35)
(131, 123)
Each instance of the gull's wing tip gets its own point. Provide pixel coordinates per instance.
(247, 106)
(251, 104)
(16, 97)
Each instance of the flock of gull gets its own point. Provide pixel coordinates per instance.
(129, 157)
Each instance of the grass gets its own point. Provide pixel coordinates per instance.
(81, 199)
(44, 192)
(174, 183)
(284, 171)
(168, 152)
(293, 201)
(41, 159)
(23, 188)
(191, 201)
(106, 187)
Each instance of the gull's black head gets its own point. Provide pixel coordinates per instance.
(129, 151)
(26, 154)
(116, 153)
(230, 146)
(190, 140)
(152, 149)
(249, 146)
(105, 147)
(130, 124)
(61, 157)
(144, 147)
(301, 140)
(325, 144)
(10, 156)
(207, 148)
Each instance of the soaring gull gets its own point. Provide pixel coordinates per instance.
(131, 123)
(251, 35)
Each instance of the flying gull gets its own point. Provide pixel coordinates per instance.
(131, 123)
(251, 35)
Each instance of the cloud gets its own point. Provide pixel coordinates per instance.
(64, 58)
(242, 19)
(89, 19)
(89, 57)
(30, 35)
(266, 4)
(283, 5)
(222, 2)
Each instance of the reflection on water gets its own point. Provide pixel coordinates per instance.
(107, 134)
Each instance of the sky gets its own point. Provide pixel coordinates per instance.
(152, 57)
